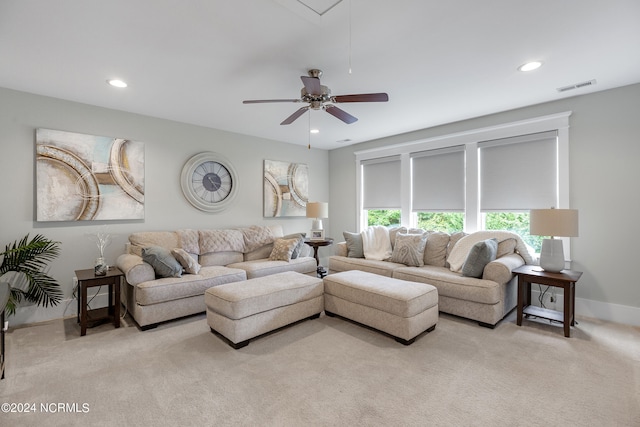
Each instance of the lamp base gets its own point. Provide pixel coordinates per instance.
(316, 224)
(552, 255)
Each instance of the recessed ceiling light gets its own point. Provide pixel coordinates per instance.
(530, 66)
(314, 131)
(117, 83)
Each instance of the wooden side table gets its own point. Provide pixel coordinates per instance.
(566, 279)
(315, 244)
(91, 318)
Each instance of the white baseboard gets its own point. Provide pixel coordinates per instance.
(30, 313)
(616, 313)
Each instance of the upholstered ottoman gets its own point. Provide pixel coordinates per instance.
(400, 308)
(243, 310)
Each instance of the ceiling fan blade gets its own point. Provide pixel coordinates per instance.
(294, 116)
(364, 97)
(340, 114)
(262, 101)
(312, 85)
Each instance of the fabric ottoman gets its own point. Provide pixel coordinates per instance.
(243, 310)
(400, 308)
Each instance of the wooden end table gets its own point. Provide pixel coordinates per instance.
(315, 244)
(566, 279)
(90, 318)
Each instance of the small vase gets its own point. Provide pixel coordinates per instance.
(101, 267)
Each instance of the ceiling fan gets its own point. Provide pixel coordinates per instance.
(319, 97)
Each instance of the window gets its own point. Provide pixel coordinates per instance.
(381, 195)
(501, 172)
(518, 174)
(437, 189)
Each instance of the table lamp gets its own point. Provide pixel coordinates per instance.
(317, 210)
(553, 222)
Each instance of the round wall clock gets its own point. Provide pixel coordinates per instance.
(209, 182)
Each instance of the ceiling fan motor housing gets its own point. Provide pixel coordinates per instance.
(324, 96)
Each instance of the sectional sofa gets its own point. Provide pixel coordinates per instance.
(486, 298)
(168, 272)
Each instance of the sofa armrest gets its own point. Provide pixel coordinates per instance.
(500, 270)
(340, 249)
(135, 269)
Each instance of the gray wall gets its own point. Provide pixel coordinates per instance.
(168, 145)
(604, 151)
(604, 176)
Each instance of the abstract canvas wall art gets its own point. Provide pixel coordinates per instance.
(85, 177)
(286, 189)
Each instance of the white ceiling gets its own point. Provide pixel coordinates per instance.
(195, 61)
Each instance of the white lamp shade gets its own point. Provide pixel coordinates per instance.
(553, 222)
(317, 210)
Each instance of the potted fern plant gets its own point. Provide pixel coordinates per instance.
(24, 265)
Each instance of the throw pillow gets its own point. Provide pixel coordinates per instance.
(163, 263)
(300, 237)
(187, 262)
(409, 249)
(393, 231)
(354, 244)
(282, 249)
(481, 254)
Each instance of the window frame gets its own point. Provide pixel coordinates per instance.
(470, 139)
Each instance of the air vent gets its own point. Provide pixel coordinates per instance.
(577, 86)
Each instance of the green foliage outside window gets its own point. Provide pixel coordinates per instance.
(448, 222)
(383, 217)
(518, 222)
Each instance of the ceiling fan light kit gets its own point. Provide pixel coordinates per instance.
(318, 97)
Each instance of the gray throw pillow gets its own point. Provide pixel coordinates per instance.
(354, 244)
(481, 254)
(163, 263)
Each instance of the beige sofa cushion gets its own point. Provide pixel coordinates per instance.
(172, 288)
(220, 258)
(265, 267)
(189, 241)
(165, 239)
(256, 236)
(221, 241)
(435, 252)
(452, 284)
(343, 263)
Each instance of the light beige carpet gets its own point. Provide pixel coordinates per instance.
(325, 372)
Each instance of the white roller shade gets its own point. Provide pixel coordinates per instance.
(437, 180)
(519, 173)
(381, 183)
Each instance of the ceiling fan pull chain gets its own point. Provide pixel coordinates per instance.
(349, 37)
